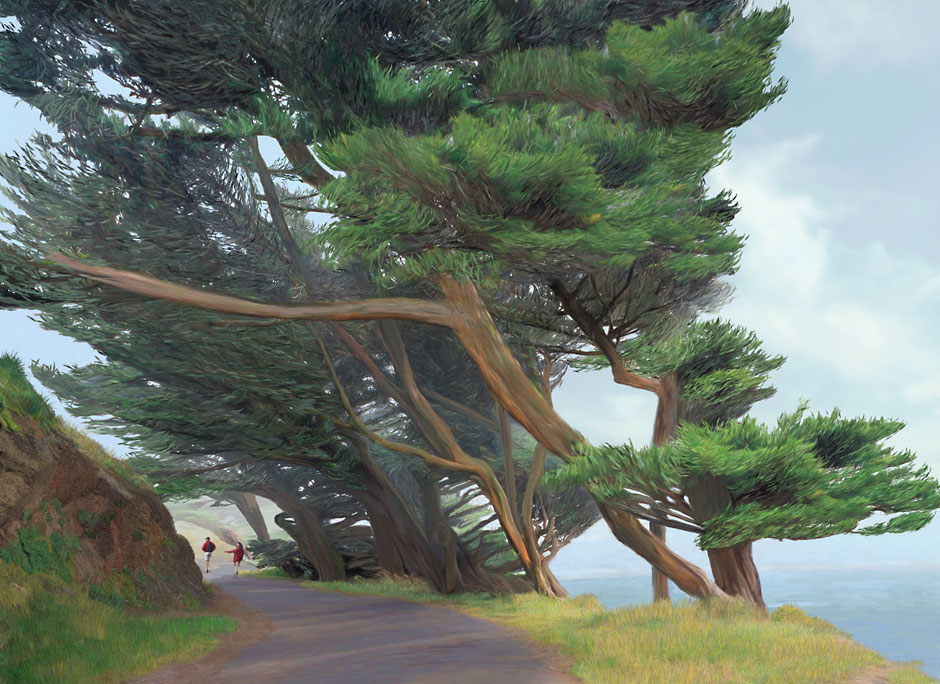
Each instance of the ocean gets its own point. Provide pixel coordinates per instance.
(894, 610)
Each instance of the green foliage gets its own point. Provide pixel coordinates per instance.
(721, 369)
(809, 476)
(509, 143)
(39, 554)
(106, 595)
(87, 519)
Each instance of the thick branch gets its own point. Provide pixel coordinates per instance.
(594, 330)
(507, 382)
(277, 215)
(305, 164)
(463, 410)
(433, 312)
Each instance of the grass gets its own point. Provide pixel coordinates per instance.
(17, 397)
(684, 642)
(50, 635)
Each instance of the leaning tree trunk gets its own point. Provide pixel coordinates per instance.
(664, 430)
(247, 505)
(687, 576)
(404, 546)
(736, 573)
(401, 545)
(310, 535)
(733, 567)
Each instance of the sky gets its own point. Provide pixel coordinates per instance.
(840, 273)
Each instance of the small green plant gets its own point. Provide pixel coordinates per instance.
(137, 534)
(35, 553)
(87, 519)
(105, 595)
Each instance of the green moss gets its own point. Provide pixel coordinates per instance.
(87, 519)
(35, 553)
(105, 595)
(137, 534)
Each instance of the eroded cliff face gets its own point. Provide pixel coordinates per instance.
(62, 512)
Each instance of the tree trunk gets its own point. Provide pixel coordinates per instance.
(509, 466)
(247, 504)
(733, 567)
(407, 547)
(736, 573)
(660, 581)
(664, 430)
(687, 576)
(311, 536)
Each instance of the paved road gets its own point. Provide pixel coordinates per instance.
(321, 637)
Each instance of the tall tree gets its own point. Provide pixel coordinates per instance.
(734, 481)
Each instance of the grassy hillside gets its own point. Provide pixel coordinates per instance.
(52, 632)
(69, 510)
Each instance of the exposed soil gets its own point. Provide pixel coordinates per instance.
(126, 541)
(876, 675)
(299, 635)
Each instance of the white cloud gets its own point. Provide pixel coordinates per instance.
(858, 323)
(605, 412)
(863, 33)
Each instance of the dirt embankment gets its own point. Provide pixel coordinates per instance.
(63, 512)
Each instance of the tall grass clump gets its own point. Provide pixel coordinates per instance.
(18, 398)
(48, 633)
(682, 642)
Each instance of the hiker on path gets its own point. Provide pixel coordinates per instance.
(239, 553)
(208, 547)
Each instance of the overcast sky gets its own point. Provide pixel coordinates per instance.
(841, 271)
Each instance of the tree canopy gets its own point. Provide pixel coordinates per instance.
(473, 195)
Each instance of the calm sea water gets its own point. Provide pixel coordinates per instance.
(893, 610)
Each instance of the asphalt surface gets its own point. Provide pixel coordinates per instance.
(321, 637)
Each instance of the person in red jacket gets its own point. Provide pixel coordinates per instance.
(238, 553)
(208, 546)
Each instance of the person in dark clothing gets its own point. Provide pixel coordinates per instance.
(208, 546)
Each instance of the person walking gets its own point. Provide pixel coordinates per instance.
(237, 554)
(208, 546)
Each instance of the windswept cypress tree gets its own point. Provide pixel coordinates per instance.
(719, 473)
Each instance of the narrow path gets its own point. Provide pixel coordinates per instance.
(323, 637)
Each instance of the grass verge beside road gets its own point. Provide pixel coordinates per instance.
(49, 633)
(683, 642)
